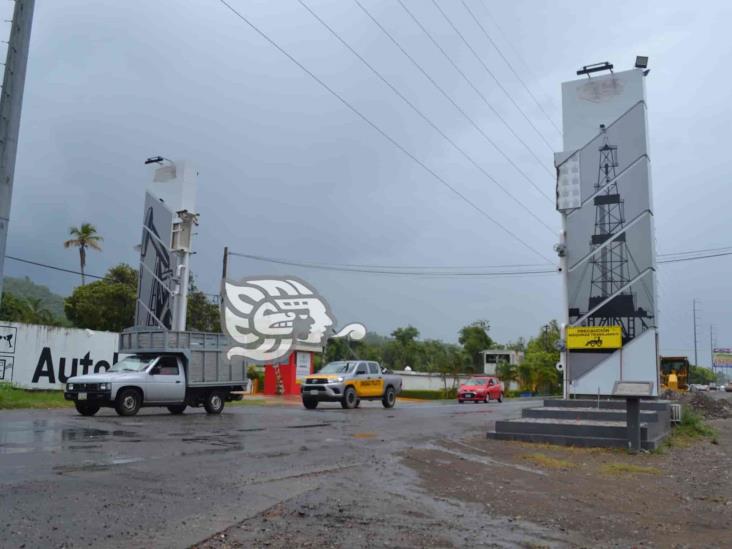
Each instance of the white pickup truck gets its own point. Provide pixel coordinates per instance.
(171, 369)
(349, 382)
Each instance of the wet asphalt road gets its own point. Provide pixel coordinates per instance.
(170, 481)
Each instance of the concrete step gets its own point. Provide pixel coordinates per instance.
(604, 404)
(559, 412)
(568, 427)
(578, 441)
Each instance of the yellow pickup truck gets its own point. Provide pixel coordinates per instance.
(349, 382)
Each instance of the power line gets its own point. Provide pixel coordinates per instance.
(515, 51)
(388, 271)
(52, 267)
(465, 77)
(368, 121)
(708, 256)
(418, 270)
(689, 252)
(434, 126)
(71, 271)
(510, 66)
(498, 83)
(426, 270)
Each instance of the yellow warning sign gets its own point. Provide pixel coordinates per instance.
(594, 337)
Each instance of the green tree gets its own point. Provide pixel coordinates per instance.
(537, 372)
(24, 288)
(201, 315)
(13, 308)
(474, 338)
(84, 237)
(700, 375)
(402, 351)
(107, 304)
(507, 372)
(31, 310)
(337, 348)
(405, 336)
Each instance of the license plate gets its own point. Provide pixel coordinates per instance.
(314, 391)
(468, 395)
(81, 396)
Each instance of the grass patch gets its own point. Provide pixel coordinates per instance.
(12, 398)
(690, 430)
(628, 469)
(693, 426)
(549, 462)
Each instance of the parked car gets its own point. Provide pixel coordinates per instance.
(349, 382)
(480, 389)
(163, 369)
(728, 387)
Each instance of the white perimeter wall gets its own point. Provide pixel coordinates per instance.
(43, 357)
(423, 381)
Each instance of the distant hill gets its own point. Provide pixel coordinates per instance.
(25, 288)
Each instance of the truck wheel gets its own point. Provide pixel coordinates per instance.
(177, 409)
(310, 403)
(86, 408)
(389, 397)
(214, 403)
(128, 402)
(349, 398)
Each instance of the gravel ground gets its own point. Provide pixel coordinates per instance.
(459, 491)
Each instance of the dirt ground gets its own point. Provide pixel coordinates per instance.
(474, 491)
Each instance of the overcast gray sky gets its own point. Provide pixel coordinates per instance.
(286, 170)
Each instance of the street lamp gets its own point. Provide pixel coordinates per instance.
(157, 160)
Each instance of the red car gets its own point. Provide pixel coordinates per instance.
(480, 389)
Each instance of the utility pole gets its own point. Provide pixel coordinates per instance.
(11, 103)
(711, 347)
(696, 361)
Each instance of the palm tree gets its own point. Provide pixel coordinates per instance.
(84, 237)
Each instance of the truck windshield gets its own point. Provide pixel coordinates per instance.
(340, 367)
(132, 363)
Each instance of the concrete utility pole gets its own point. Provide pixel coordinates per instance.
(693, 306)
(711, 347)
(11, 104)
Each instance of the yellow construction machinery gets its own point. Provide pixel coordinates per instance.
(674, 373)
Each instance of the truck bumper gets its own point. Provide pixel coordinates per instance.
(331, 392)
(99, 397)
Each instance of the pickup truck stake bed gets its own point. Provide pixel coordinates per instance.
(349, 382)
(171, 369)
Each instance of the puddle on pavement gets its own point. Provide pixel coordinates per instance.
(91, 466)
(37, 436)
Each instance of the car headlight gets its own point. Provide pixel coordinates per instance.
(336, 380)
(70, 387)
(103, 386)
